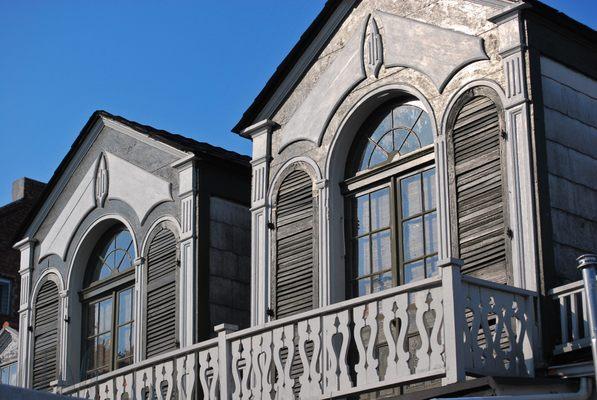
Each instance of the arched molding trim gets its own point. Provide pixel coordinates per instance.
(50, 274)
(303, 163)
(168, 221)
(332, 245)
(77, 266)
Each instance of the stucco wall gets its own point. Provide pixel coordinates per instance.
(570, 101)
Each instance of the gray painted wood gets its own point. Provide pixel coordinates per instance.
(161, 320)
(478, 182)
(45, 336)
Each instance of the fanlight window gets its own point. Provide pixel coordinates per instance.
(109, 304)
(393, 213)
(402, 130)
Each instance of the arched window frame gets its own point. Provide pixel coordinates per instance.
(385, 175)
(109, 289)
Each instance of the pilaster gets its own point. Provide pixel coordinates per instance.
(140, 295)
(64, 320)
(26, 247)
(187, 193)
(322, 186)
(260, 134)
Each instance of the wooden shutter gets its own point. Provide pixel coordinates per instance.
(162, 265)
(45, 336)
(294, 286)
(478, 179)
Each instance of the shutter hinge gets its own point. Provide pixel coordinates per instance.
(510, 233)
(30, 328)
(271, 226)
(504, 134)
(269, 312)
(67, 320)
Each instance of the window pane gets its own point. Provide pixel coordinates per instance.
(431, 266)
(380, 209)
(431, 233)
(406, 116)
(4, 375)
(125, 341)
(387, 143)
(13, 374)
(377, 157)
(364, 286)
(411, 195)
(362, 215)
(105, 316)
(382, 282)
(414, 272)
(410, 144)
(125, 306)
(384, 127)
(400, 136)
(381, 251)
(103, 350)
(423, 129)
(413, 239)
(92, 318)
(364, 262)
(429, 189)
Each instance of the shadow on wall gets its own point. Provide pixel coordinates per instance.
(17, 393)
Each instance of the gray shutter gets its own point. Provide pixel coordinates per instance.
(45, 336)
(162, 263)
(295, 256)
(479, 182)
(295, 285)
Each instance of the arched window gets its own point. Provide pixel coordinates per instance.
(391, 193)
(108, 299)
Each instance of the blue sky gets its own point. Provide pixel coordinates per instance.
(190, 67)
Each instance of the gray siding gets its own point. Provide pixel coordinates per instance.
(570, 104)
(229, 263)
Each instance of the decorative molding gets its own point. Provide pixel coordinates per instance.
(101, 182)
(436, 52)
(514, 70)
(373, 50)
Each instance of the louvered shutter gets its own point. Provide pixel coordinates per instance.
(295, 257)
(161, 304)
(479, 184)
(45, 336)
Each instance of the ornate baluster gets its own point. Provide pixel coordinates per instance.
(437, 344)
(394, 308)
(423, 352)
(185, 376)
(209, 373)
(235, 369)
(336, 364)
(164, 373)
(247, 380)
(106, 390)
(124, 385)
(366, 369)
(261, 362)
(144, 380)
(88, 393)
(309, 331)
(283, 338)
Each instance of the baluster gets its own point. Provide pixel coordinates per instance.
(185, 376)
(585, 317)
(336, 364)
(106, 390)
(163, 373)
(395, 308)
(208, 364)
(88, 393)
(564, 319)
(236, 370)
(247, 380)
(574, 316)
(124, 385)
(144, 380)
(261, 346)
(283, 338)
(437, 344)
(423, 352)
(366, 369)
(310, 330)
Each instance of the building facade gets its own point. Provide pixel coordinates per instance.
(422, 184)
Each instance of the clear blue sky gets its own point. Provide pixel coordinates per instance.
(190, 67)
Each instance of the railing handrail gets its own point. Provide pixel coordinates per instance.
(566, 289)
(143, 364)
(336, 307)
(499, 286)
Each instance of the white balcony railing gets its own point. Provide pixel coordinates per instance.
(574, 323)
(445, 327)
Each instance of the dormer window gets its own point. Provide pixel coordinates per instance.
(392, 196)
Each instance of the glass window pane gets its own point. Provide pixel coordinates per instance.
(413, 239)
(103, 350)
(431, 240)
(105, 316)
(406, 116)
(125, 341)
(423, 129)
(414, 271)
(92, 318)
(125, 306)
(366, 156)
(364, 261)
(377, 157)
(431, 266)
(382, 282)
(13, 374)
(362, 215)
(90, 355)
(411, 195)
(410, 144)
(387, 143)
(381, 251)
(429, 189)
(384, 126)
(4, 375)
(380, 209)
(364, 286)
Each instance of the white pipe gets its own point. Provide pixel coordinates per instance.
(583, 393)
